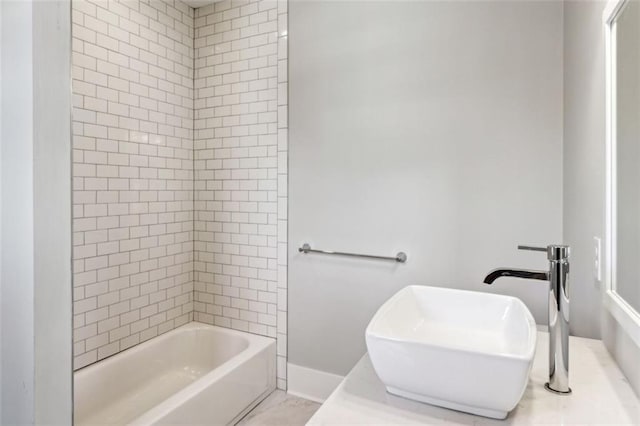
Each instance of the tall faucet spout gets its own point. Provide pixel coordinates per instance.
(516, 273)
(558, 277)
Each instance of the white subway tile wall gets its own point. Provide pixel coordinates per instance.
(240, 164)
(162, 91)
(132, 172)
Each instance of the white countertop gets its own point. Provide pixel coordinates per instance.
(601, 395)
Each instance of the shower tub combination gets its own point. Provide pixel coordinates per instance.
(195, 374)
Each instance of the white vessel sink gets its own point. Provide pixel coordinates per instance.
(463, 350)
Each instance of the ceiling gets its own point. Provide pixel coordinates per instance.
(199, 3)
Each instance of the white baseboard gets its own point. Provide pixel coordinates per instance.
(307, 383)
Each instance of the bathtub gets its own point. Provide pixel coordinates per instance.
(195, 374)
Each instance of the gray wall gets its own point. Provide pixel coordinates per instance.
(628, 154)
(584, 151)
(429, 127)
(584, 174)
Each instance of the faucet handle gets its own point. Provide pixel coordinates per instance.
(532, 248)
(554, 252)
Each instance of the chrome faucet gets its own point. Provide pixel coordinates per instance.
(558, 277)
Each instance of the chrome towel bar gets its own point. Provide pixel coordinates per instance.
(400, 257)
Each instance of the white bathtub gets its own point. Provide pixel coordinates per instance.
(195, 374)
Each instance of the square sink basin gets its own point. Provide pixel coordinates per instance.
(463, 350)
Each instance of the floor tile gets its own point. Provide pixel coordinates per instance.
(280, 409)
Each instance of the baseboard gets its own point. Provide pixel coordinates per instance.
(307, 383)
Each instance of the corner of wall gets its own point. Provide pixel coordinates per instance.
(240, 143)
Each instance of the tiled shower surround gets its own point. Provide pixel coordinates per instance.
(236, 168)
(133, 173)
(162, 91)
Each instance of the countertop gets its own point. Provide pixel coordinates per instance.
(601, 395)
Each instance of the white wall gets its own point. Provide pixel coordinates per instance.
(36, 199)
(429, 127)
(584, 174)
(240, 207)
(52, 211)
(17, 215)
(132, 173)
(1, 118)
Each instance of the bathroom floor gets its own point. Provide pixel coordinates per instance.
(280, 409)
